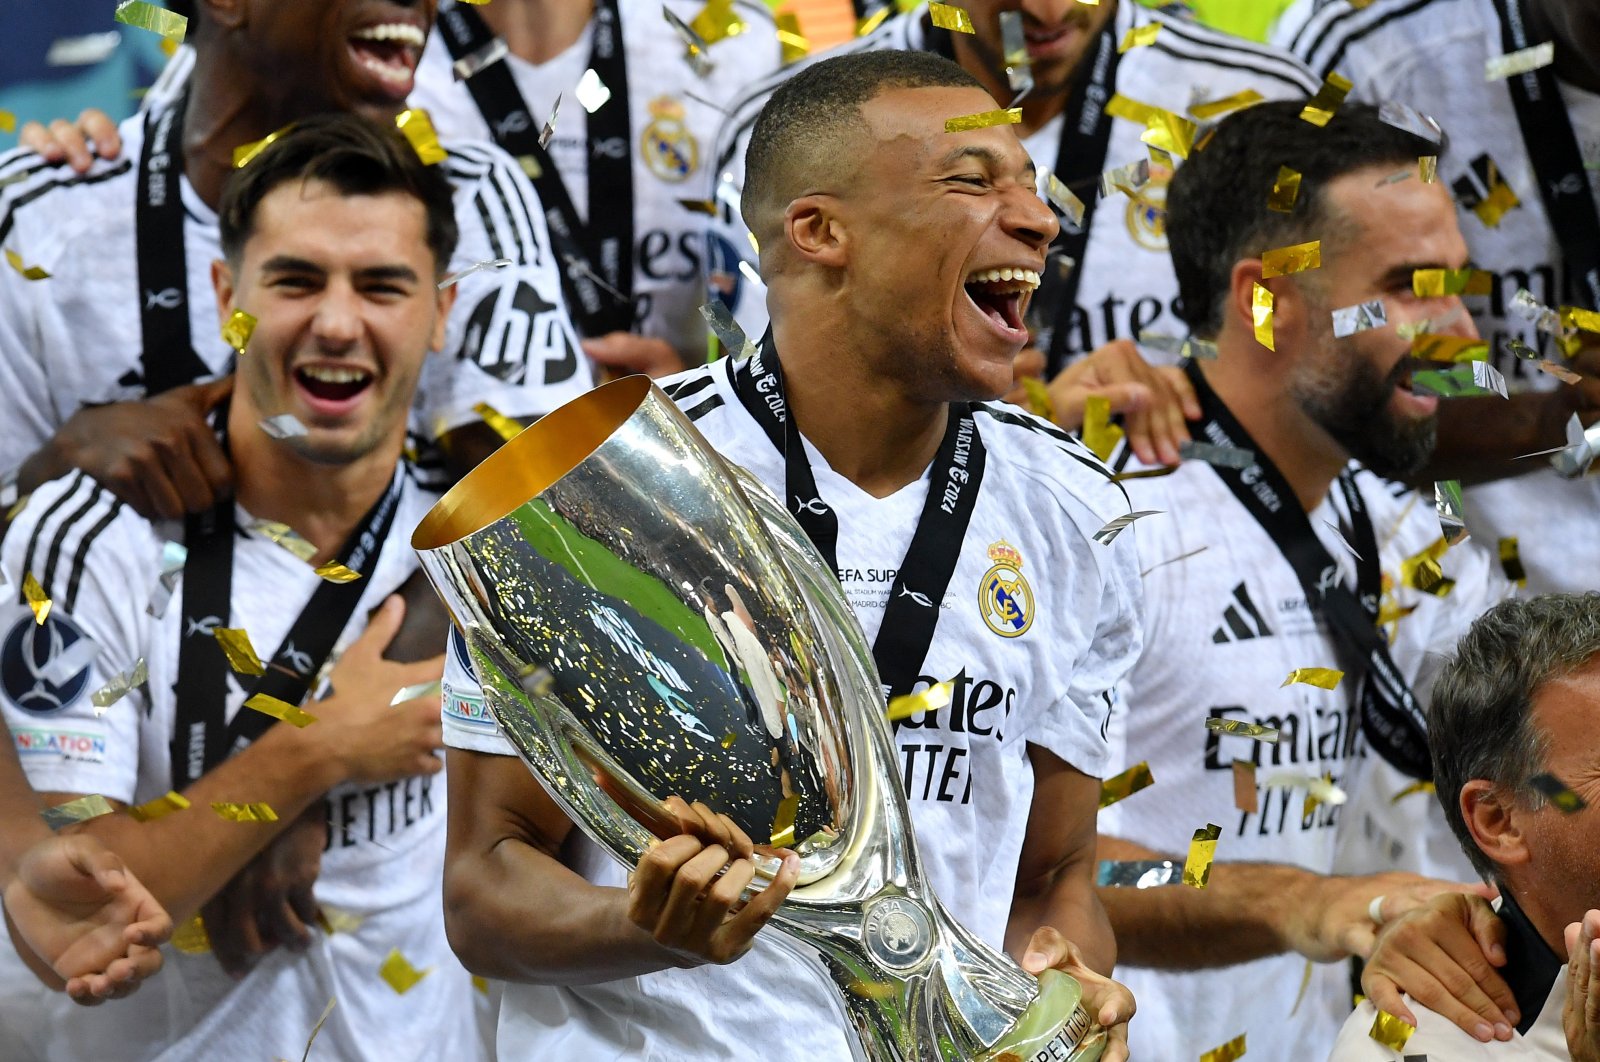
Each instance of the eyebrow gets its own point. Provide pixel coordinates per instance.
(288, 263)
(988, 156)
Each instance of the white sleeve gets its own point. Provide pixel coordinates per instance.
(509, 341)
(97, 561)
(467, 722)
(29, 420)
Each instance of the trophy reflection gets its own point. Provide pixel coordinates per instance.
(646, 620)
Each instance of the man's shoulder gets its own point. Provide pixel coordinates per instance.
(1191, 53)
(1331, 35)
(1033, 454)
(70, 526)
(43, 205)
(1435, 1038)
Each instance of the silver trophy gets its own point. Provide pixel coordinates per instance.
(646, 620)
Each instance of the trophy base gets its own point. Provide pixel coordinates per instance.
(1054, 1028)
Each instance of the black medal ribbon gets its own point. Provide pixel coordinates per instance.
(598, 253)
(911, 615)
(1557, 160)
(1391, 718)
(167, 354)
(202, 737)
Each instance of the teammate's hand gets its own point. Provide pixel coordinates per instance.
(1443, 954)
(82, 913)
(159, 455)
(269, 903)
(1332, 921)
(1110, 1003)
(686, 891)
(1155, 401)
(94, 135)
(1580, 1017)
(622, 353)
(373, 741)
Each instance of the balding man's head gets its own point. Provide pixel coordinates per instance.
(804, 138)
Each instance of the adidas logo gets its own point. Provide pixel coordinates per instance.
(1240, 620)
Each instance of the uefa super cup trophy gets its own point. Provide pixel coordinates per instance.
(648, 621)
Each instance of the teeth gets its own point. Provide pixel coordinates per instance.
(328, 374)
(392, 31)
(996, 276)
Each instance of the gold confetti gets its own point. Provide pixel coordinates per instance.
(287, 537)
(1228, 1052)
(1285, 190)
(335, 572)
(1558, 793)
(1414, 787)
(1202, 850)
(1217, 108)
(783, 821)
(317, 1028)
(245, 153)
(142, 15)
(38, 600)
(1511, 561)
(1579, 318)
(1038, 395)
(1139, 37)
(1261, 314)
(244, 812)
(191, 938)
(1321, 108)
(1245, 796)
(1437, 283)
(333, 920)
(1449, 348)
(1422, 571)
(503, 425)
(418, 129)
(1326, 678)
(1124, 785)
(796, 46)
(983, 120)
(1099, 434)
(481, 984)
(728, 739)
(950, 17)
(1321, 791)
(1240, 728)
(159, 807)
(929, 700)
(1501, 199)
(82, 809)
(237, 332)
(28, 272)
(292, 714)
(1391, 1031)
(1163, 129)
(866, 25)
(398, 973)
(120, 686)
(872, 989)
(1428, 168)
(718, 21)
(1282, 261)
(241, 654)
(8, 122)
(1521, 61)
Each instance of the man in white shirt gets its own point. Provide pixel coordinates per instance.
(336, 237)
(1515, 707)
(901, 257)
(1523, 161)
(1283, 555)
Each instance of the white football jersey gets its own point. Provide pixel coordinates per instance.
(383, 863)
(1431, 56)
(74, 339)
(674, 115)
(1227, 621)
(965, 769)
(1128, 285)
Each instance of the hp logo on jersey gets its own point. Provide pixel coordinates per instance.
(1005, 600)
(25, 658)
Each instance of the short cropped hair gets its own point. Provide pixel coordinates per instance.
(1480, 721)
(358, 156)
(1217, 212)
(808, 118)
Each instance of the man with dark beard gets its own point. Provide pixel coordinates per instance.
(1279, 555)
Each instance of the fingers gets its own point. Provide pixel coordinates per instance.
(1031, 362)
(184, 471)
(1489, 933)
(649, 885)
(678, 915)
(1183, 390)
(1386, 996)
(99, 127)
(1437, 981)
(204, 397)
(282, 924)
(73, 147)
(1046, 950)
(383, 625)
(764, 904)
(700, 821)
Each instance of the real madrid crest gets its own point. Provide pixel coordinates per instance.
(669, 149)
(1005, 600)
(1147, 211)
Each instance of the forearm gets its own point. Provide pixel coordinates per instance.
(185, 859)
(1069, 904)
(503, 922)
(1241, 914)
(19, 811)
(1481, 437)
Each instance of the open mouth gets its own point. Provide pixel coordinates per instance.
(332, 389)
(389, 52)
(1002, 295)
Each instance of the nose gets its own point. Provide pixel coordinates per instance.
(1029, 219)
(1461, 323)
(337, 324)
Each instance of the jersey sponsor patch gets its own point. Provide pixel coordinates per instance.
(466, 711)
(25, 671)
(34, 743)
(1005, 600)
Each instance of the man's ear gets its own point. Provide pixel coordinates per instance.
(1241, 294)
(1489, 813)
(813, 228)
(222, 284)
(447, 300)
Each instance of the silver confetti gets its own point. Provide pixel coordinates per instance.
(1520, 62)
(476, 267)
(469, 65)
(1137, 873)
(726, 329)
(1014, 45)
(1055, 192)
(1108, 534)
(87, 50)
(1186, 347)
(1452, 513)
(1575, 458)
(173, 556)
(1469, 378)
(549, 129)
(1212, 454)
(1412, 121)
(1348, 320)
(694, 47)
(411, 693)
(283, 426)
(120, 686)
(591, 92)
(1127, 179)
